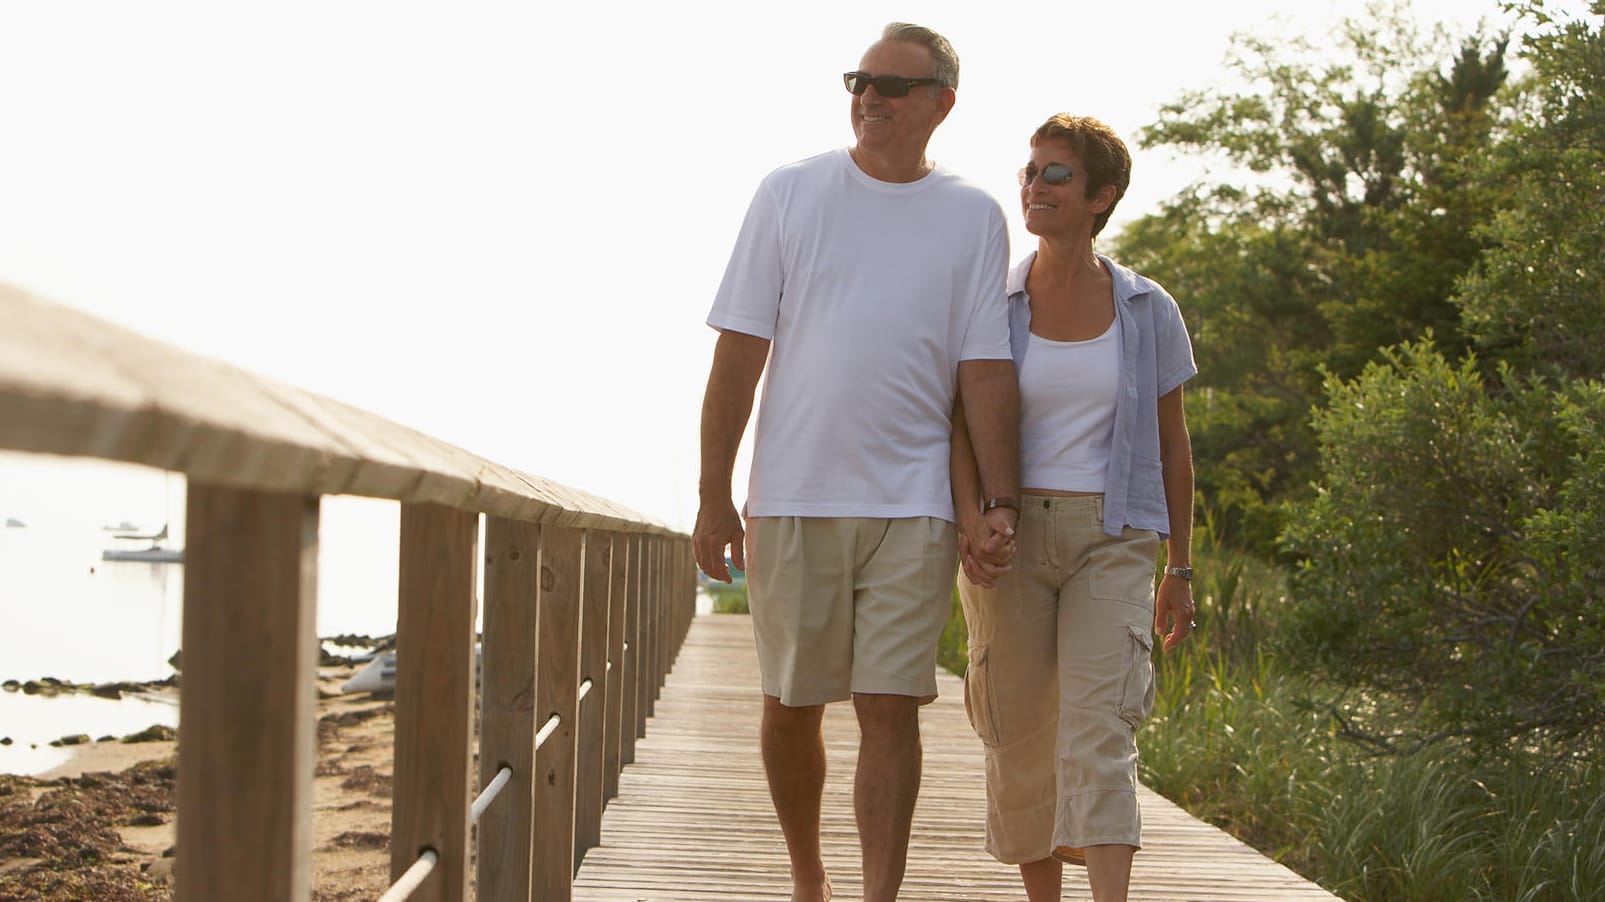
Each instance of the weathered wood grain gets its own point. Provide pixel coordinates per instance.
(693, 819)
(76, 385)
(247, 714)
(436, 607)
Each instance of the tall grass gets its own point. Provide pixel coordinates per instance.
(1243, 738)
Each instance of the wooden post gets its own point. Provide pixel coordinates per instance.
(685, 596)
(593, 668)
(688, 585)
(658, 608)
(613, 719)
(247, 709)
(634, 719)
(647, 685)
(507, 706)
(562, 565)
(434, 696)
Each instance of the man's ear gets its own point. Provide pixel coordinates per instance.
(945, 99)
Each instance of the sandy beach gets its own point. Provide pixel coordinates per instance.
(101, 826)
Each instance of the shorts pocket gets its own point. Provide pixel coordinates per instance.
(980, 702)
(1137, 678)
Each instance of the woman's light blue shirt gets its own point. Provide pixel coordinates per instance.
(1156, 357)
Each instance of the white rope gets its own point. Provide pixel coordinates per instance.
(585, 689)
(409, 881)
(489, 794)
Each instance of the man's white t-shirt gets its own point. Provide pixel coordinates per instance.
(871, 293)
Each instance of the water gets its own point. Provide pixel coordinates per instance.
(68, 614)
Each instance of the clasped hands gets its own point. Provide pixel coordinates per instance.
(987, 546)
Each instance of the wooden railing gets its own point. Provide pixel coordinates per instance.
(586, 604)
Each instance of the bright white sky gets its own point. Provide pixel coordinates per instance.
(503, 223)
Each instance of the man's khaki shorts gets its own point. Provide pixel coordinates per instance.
(845, 605)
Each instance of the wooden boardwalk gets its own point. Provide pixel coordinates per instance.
(693, 821)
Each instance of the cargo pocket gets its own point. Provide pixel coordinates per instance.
(1137, 680)
(979, 700)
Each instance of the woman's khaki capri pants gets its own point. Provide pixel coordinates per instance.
(1059, 678)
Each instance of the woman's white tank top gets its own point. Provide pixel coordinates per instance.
(1067, 411)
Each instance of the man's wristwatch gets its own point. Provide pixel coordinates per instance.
(1183, 572)
(994, 503)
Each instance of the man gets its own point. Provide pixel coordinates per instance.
(871, 282)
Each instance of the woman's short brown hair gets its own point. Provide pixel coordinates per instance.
(1100, 150)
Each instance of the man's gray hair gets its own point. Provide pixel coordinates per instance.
(946, 62)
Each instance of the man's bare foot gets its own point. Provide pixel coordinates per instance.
(821, 895)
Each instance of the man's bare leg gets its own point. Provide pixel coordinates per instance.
(1043, 879)
(885, 788)
(1109, 871)
(794, 761)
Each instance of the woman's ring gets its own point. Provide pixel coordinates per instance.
(1192, 625)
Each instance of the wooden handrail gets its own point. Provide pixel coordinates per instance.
(578, 591)
(76, 385)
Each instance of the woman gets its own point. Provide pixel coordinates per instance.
(1060, 673)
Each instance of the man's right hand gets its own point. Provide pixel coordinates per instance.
(718, 527)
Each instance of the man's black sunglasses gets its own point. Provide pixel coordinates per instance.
(1053, 174)
(885, 85)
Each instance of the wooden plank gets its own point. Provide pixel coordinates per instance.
(76, 385)
(507, 706)
(693, 818)
(247, 730)
(614, 717)
(556, 687)
(588, 798)
(434, 696)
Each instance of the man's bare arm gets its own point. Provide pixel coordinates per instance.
(738, 361)
(991, 395)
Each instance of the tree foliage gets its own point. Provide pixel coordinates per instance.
(1399, 328)
(1452, 558)
(1365, 217)
(1535, 299)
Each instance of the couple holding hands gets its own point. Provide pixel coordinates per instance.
(923, 404)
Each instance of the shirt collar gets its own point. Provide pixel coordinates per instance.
(1127, 284)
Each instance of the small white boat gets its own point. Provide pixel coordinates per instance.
(379, 674)
(155, 554)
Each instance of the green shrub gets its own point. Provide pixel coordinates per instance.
(1451, 557)
(728, 599)
(952, 649)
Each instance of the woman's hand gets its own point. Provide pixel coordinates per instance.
(986, 546)
(1174, 604)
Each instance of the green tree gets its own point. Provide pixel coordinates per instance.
(1453, 557)
(1535, 300)
(1364, 219)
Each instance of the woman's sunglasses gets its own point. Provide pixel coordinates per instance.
(885, 85)
(1053, 174)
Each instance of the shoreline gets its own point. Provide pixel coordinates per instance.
(101, 824)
